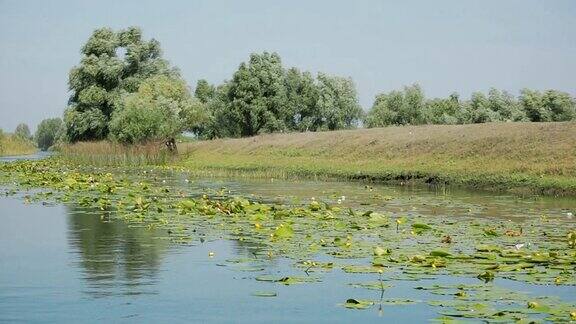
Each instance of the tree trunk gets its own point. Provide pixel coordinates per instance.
(171, 145)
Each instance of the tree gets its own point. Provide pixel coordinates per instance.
(478, 109)
(560, 105)
(443, 110)
(204, 91)
(222, 121)
(257, 95)
(338, 102)
(302, 101)
(46, 133)
(405, 107)
(23, 131)
(112, 64)
(161, 109)
(412, 111)
(505, 106)
(384, 110)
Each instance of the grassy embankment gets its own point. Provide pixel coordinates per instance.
(13, 145)
(533, 157)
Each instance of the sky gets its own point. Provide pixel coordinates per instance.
(444, 45)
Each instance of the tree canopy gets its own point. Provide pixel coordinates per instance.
(410, 107)
(46, 133)
(124, 90)
(264, 97)
(161, 109)
(113, 64)
(22, 131)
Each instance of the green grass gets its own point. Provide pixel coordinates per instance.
(520, 157)
(13, 145)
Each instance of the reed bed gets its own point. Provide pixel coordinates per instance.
(105, 153)
(13, 145)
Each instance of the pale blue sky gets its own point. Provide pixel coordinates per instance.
(445, 45)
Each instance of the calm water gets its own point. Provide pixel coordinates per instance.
(65, 263)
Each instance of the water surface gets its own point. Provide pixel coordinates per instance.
(66, 263)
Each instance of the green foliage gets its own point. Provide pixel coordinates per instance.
(85, 125)
(204, 91)
(161, 109)
(263, 97)
(338, 102)
(302, 101)
(410, 107)
(551, 105)
(46, 134)
(104, 76)
(22, 131)
(258, 95)
(406, 107)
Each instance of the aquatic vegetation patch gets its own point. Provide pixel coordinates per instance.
(319, 237)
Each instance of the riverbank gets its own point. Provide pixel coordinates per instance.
(12, 145)
(518, 157)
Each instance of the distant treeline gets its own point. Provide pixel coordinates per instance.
(410, 107)
(125, 91)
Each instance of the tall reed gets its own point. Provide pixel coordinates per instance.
(105, 153)
(11, 144)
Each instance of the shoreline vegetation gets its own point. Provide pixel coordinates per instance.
(106, 153)
(11, 145)
(271, 120)
(536, 158)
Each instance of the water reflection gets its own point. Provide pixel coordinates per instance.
(116, 258)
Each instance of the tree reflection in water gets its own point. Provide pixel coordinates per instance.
(116, 258)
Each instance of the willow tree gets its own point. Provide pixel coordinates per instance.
(22, 131)
(338, 102)
(47, 131)
(161, 109)
(112, 64)
(257, 95)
